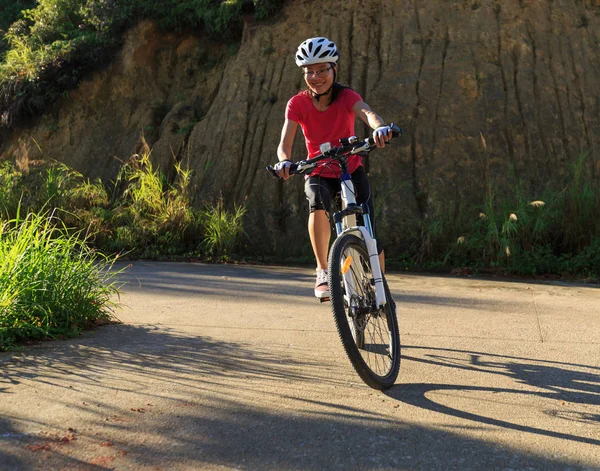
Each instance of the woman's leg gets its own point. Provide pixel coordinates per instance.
(319, 231)
(319, 192)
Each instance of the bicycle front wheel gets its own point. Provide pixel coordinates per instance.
(370, 335)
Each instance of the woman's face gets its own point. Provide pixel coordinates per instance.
(319, 77)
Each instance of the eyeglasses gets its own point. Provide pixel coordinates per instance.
(316, 73)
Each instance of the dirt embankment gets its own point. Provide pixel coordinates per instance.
(485, 90)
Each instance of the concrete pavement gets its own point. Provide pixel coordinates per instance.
(238, 367)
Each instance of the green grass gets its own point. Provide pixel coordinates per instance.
(143, 214)
(516, 231)
(151, 216)
(222, 230)
(52, 285)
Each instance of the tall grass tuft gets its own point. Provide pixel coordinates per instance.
(10, 183)
(517, 231)
(222, 230)
(153, 215)
(51, 283)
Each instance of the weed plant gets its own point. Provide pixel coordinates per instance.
(152, 217)
(512, 232)
(144, 215)
(51, 283)
(222, 230)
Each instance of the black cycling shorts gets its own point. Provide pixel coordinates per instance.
(321, 190)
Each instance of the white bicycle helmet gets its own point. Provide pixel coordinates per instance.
(316, 51)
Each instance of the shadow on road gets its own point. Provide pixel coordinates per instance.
(148, 352)
(211, 422)
(217, 281)
(563, 382)
(194, 396)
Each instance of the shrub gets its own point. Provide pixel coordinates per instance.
(51, 283)
(52, 46)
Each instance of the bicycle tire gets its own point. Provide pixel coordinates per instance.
(373, 352)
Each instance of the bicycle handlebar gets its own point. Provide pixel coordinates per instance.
(348, 146)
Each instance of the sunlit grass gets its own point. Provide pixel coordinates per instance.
(222, 230)
(51, 283)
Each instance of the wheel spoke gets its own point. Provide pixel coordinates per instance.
(374, 345)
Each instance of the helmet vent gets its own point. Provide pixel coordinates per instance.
(315, 51)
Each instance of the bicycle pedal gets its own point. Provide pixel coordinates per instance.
(323, 300)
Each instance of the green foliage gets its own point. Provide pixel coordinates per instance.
(515, 233)
(152, 216)
(10, 11)
(223, 230)
(10, 182)
(53, 45)
(51, 283)
(145, 215)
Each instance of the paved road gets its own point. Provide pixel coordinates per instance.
(237, 367)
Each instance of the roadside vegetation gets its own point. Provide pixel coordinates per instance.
(143, 214)
(139, 215)
(48, 46)
(56, 227)
(515, 231)
(52, 284)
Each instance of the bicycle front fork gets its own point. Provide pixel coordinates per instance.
(371, 243)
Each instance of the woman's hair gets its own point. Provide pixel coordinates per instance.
(336, 89)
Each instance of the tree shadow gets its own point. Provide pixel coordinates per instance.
(207, 424)
(567, 382)
(218, 281)
(232, 435)
(150, 352)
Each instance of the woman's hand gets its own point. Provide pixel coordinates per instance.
(381, 135)
(283, 169)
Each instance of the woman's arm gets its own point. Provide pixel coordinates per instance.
(374, 121)
(284, 150)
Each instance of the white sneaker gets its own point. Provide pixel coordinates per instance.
(321, 288)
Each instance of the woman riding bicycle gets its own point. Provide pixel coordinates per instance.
(326, 112)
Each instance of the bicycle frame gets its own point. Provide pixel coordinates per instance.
(345, 220)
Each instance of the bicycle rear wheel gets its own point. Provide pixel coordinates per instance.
(370, 335)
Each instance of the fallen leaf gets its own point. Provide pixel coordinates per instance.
(38, 447)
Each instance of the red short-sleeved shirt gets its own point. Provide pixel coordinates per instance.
(329, 126)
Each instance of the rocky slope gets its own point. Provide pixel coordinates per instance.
(487, 92)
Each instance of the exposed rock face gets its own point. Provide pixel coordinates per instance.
(500, 91)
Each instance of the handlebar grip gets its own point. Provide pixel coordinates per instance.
(396, 132)
(272, 171)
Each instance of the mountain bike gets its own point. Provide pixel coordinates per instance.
(361, 302)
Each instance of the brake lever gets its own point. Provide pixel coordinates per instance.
(272, 171)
